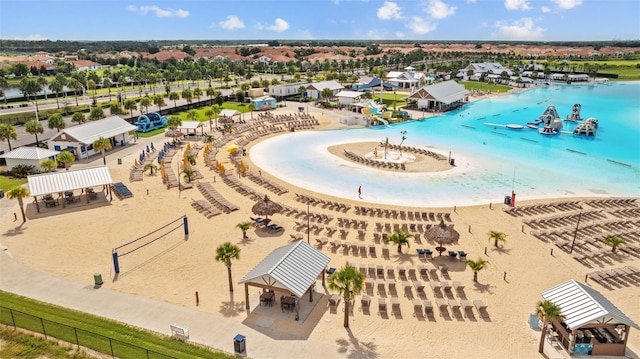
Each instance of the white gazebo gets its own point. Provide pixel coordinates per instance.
(227, 115)
(191, 126)
(28, 156)
(592, 324)
(292, 269)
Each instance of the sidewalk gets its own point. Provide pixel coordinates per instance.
(204, 328)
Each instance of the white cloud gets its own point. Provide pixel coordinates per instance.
(523, 29)
(279, 26)
(376, 35)
(399, 34)
(545, 9)
(232, 23)
(439, 10)
(471, 1)
(567, 4)
(420, 26)
(305, 35)
(389, 11)
(517, 5)
(30, 37)
(168, 12)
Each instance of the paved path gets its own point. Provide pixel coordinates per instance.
(204, 328)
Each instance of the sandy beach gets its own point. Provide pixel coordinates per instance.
(76, 243)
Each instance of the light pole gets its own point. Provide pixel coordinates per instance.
(309, 201)
(575, 233)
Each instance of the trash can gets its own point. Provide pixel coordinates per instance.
(507, 199)
(1, 193)
(119, 161)
(452, 161)
(97, 278)
(239, 344)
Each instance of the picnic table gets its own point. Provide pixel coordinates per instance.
(267, 298)
(287, 303)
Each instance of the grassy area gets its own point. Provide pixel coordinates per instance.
(87, 324)
(28, 346)
(155, 132)
(388, 99)
(482, 86)
(7, 184)
(240, 107)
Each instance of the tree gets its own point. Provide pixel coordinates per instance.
(614, 242)
(34, 127)
(209, 114)
(497, 237)
(216, 111)
(19, 193)
(348, 282)
(79, 118)
(547, 312)
(174, 96)
(48, 165)
(188, 173)
(151, 167)
(400, 238)
(225, 253)
(252, 107)
(96, 113)
(107, 83)
(30, 87)
(192, 115)
(7, 133)
(326, 93)
(244, 227)
(102, 144)
(56, 121)
(240, 96)
(197, 93)
(130, 104)
(174, 122)
(187, 94)
(145, 102)
(158, 100)
(67, 158)
(57, 86)
(476, 266)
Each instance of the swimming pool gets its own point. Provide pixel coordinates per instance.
(490, 159)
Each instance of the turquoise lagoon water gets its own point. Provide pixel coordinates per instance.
(490, 159)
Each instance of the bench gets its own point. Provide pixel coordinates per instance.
(179, 332)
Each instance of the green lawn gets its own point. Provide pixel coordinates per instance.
(482, 86)
(29, 346)
(7, 184)
(92, 331)
(151, 133)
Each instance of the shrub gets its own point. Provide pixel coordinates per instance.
(22, 171)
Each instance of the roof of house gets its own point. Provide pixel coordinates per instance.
(580, 304)
(294, 267)
(84, 63)
(190, 125)
(495, 67)
(446, 92)
(30, 153)
(91, 131)
(55, 182)
(319, 86)
(229, 113)
(349, 94)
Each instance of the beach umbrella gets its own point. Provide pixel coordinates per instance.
(266, 207)
(232, 148)
(173, 134)
(442, 234)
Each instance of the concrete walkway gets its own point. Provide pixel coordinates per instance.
(204, 328)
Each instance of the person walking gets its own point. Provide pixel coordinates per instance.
(359, 191)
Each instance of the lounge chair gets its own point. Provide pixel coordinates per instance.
(467, 307)
(462, 255)
(334, 299)
(481, 308)
(382, 306)
(365, 301)
(417, 308)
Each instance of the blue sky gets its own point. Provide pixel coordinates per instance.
(533, 20)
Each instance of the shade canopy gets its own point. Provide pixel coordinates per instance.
(61, 181)
(232, 148)
(266, 207)
(443, 233)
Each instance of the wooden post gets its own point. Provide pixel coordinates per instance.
(323, 273)
(197, 299)
(246, 295)
(311, 293)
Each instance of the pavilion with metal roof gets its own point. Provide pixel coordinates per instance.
(68, 181)
(28, 156)
(440, 97)
(591, 324)
(292, 269)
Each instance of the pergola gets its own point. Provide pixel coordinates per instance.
(64, 181)
(292, 269)
(592, 324)
(227, 115)
(191, 126)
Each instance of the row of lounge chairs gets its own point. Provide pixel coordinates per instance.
(216, 198)
(546, 208)
(374, 163)
(412, 149)
(266, 183)
(121, 190)
(403, 215)
(617, 277)
(336, 206)
(205, 208)
(562, 220)
(352, 223)
(613, 203)
(294, 212)
(235, 183)
(425, 307)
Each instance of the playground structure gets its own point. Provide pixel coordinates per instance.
(127, 247)
(264, 103)
(575, 114)
(150, 121)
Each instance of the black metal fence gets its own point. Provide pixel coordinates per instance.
(79, 337)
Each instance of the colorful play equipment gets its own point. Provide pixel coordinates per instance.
(150, 121)
(264, 103)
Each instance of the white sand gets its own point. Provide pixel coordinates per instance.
(76, 244)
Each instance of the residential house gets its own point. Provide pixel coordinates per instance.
(440, 97)
(314, 90)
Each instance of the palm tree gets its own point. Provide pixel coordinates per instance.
(225, 253)
(400, 238)
(67, 158)
(209, 114)
(130, 104)
(19, 193)
(48, 165)
(145, 102)
(216, 111)
(476, 266)
(187, 94)
(252, 107)
(158, 100)
(326, 93)
(349, 282)
(56, 121)
(547, 312)
(174, 96)
(192, 115)
(497, 237)
(188, 173)
(96, 113)
(3, 86)
(197, 93)
(57, 86)
(614, 242)
(244, 227)
(34, 127)
(107, 83)
(151, 167)
(102, 144)
(8, 132)
(78, 117)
